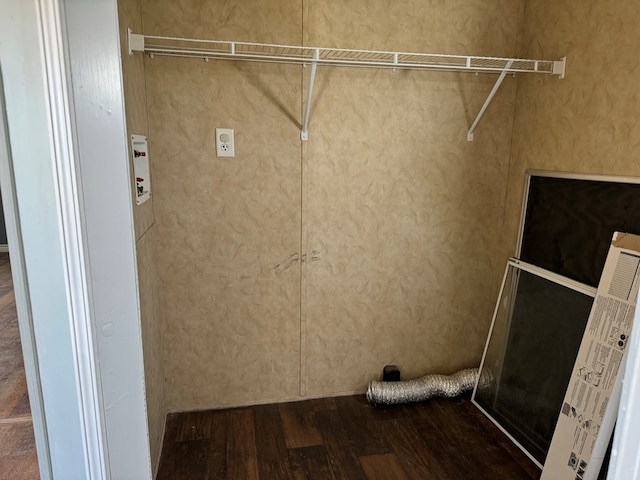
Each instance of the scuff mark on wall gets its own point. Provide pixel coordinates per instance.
(294, 258)
(314, 256)
(289, 262)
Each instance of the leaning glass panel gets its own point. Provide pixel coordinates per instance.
(538, 325)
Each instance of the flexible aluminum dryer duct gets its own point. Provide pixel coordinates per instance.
(394, 393)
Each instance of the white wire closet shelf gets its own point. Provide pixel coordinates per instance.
(262, 52)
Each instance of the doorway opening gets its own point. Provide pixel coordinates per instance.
(18, 459)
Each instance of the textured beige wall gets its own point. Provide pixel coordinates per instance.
(130, 16)
(401, 211)
(466, 27)
(151, 341)
(587, 122)
(232, 316)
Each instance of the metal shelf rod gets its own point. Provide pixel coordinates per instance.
(287, 54)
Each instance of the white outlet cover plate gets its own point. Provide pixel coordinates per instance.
(225, 144)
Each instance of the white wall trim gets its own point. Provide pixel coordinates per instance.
(92, 42)
(4, 248)
(66, 129)
(71, 230)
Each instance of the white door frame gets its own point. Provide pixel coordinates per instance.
(71, 233)
(33, 116)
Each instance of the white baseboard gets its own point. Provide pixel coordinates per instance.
(4, 248)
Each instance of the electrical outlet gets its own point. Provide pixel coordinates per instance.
(225, 146)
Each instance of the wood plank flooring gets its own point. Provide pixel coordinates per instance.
(18, 458)
(343, 438)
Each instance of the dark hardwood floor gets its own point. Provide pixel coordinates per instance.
(18, 458)
(341, 438)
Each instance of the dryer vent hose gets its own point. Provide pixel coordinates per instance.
(394, 393)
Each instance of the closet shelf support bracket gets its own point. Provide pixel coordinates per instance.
(304, 134)
(559, 68)
(135, 42)
(492, 94)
